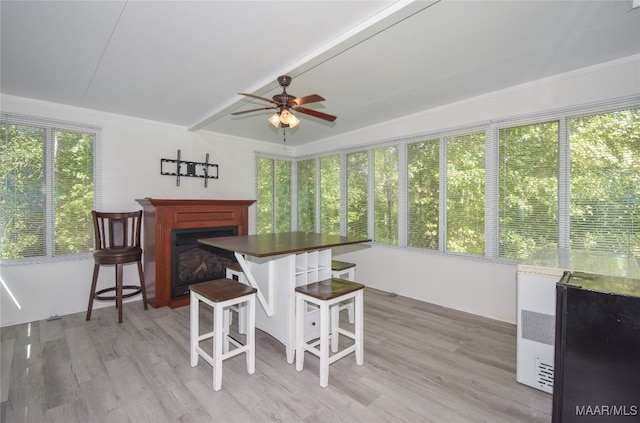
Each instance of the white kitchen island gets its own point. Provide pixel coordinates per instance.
(275, 264)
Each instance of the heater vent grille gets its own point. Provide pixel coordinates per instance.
(538, 327)
(545, 374)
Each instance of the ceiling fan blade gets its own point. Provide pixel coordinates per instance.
(313, 98)
(259, 98)
(253, 110)
(315, 113)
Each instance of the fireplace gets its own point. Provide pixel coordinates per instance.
(192, 262)
(161, 218)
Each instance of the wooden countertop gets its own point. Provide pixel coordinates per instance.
(272, 244)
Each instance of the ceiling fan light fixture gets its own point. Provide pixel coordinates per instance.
(286, 119)
(293, 120)
(275, 119)
(285, 116)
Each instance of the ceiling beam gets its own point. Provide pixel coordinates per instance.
(383, 20)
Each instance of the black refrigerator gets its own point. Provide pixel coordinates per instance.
(597, 349)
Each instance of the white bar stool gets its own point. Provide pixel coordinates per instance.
(221, 294)
(327, 295)
(234, 271)
(344, 270)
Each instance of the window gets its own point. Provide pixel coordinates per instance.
(357, 194)
(330, 194)
(385, 197)
(306, 195)
(465, 182)
(529, 159)
(605, 182)
(274, 195)
(423, 194)
(48, 193)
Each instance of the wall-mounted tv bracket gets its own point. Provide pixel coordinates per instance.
(204, 170)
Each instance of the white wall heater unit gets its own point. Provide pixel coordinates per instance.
(536, 297)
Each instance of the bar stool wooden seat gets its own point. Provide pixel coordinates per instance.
(117, 242)
(344, 270)
(221, 294)
(327, 295)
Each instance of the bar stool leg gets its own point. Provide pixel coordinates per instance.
(142, 286)
(299, 333)
(119, 290)
(335, 324)
(249, 309)
(227, 320)
(194, 329)
(218, 335)
(94, 282)
(242, 314)
(359, 327)
(352, 277)
(324, 344)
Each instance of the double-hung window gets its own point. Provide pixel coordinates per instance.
(48, 188)
(318, 183)
(274, 195)
(357, 194)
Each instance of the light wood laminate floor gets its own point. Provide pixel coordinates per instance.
(423, 363)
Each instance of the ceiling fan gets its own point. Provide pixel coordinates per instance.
(285, 103)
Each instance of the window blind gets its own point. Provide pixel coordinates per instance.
(50, 184)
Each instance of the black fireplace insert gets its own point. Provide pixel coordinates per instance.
(192, 262)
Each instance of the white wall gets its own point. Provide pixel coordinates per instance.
(132, 150)
(474, 286)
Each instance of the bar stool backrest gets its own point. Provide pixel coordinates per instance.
(117, 230)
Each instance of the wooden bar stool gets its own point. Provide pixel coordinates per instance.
(344, 270)
(117, 242)
(221, 294)
(327, 296)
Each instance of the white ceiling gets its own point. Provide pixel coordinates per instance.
(183, 62)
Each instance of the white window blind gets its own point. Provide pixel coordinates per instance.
(465, 193)
(306, 195)
(357, 193)
(329, 185)
(528, 190)
(386, 194)
(605, 181)
(50, 171)
(423, 199)
(265, 197)
(274, 195)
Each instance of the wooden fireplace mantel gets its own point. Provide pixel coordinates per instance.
(161, 217)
